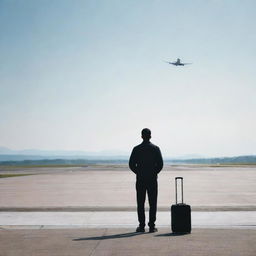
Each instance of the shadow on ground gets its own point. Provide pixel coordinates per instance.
(123, 235)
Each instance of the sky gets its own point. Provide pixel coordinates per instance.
(90, 75)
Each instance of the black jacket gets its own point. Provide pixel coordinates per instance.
(146, 160)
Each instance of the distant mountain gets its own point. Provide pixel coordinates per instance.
(37, 156)
(4, 150)
(188, 156)
(113, 160)
(66, 153)
(251, 159)
(57, 161)
(62, 157)
(41, 154)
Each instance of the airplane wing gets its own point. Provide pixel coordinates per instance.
(187, 63)
(169, 62)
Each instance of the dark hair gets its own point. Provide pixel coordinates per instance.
(146, 133)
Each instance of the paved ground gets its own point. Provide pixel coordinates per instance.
(124, 242)
(113, 186)
(223, 217)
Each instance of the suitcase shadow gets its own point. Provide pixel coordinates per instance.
(172, 234)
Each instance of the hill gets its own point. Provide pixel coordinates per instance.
(71, 160)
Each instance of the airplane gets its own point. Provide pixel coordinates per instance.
(178, 63)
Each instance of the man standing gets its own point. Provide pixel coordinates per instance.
(146, 162)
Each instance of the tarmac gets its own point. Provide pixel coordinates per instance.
(125, 242)
(92, 211)
(101, 187)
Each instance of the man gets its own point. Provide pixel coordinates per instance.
(146, 162)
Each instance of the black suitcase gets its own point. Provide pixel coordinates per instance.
(180, 213)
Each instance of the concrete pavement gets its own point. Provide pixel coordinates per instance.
(91, 211)
(55, 220)
(124, 242)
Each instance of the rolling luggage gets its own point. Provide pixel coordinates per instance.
(180, 213)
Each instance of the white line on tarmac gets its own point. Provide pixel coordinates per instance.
(39, 220)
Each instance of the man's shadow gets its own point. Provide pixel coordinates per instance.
(124, 235)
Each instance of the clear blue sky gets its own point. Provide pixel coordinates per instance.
(89, 75)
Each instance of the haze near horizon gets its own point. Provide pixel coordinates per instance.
(89, 75)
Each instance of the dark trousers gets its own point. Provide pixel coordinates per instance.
(149, 187)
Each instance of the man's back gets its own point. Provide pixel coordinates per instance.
(146, 160)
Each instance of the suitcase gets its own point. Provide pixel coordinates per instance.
(180, 213)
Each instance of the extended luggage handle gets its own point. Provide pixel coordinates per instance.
(176, 180)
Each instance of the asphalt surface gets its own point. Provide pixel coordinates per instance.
(114, 187)
(91, 211)
(124, 242)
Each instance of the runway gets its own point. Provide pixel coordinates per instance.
(113, 186)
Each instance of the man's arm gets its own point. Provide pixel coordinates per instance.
(159, 160)
(133, 161)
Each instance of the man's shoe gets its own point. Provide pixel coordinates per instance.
(152, 230)
(140, 229)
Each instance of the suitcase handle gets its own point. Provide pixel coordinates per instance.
(176, 180)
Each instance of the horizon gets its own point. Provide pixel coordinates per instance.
(90, 76)
(95, 154)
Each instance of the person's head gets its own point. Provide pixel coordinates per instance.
(146, 134)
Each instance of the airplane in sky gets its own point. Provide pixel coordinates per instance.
(178, 63)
